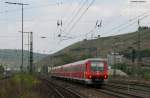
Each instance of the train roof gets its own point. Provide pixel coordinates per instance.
(82, 62)
(96, 59)
(89, 59)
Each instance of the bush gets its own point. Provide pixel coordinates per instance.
(133, 71)
(1, 69)
(145, 53)
(85, 56)
(67, 58)
(121, 66)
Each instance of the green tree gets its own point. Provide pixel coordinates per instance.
(67, 58)
(85, 56)
(1, 69)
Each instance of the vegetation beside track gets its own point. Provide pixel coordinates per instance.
(142, 73)
(22, 86)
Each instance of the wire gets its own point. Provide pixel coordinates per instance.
(73, 18)
(126, 23)
(9, 36)
(81, 16)
(134, 22)
(124, 27)
(76, 14)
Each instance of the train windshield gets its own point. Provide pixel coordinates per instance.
(97, 66)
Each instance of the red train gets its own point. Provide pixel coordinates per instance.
(89, 71)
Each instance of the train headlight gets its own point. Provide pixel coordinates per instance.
(90, 76)
(105, 76)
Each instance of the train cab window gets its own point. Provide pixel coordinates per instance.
(97, 66)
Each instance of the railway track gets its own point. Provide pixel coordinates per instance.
(136, 91)
(112, 92)
(142, 88)
(131, 82)
(120, 93)
(60, 91)
(117, 94)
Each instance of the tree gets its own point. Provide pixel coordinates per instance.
(133, 55)
(85, 56)
(1, 69)
(142, 28)
(67, 58)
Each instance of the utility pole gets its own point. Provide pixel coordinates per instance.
(28, 50)
(139, 42)
(114, 60)
(50, 60)
(31, 51)
(22, 4)
(98, 26)
(139, 36)
(115, 47)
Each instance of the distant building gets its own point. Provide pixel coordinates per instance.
(114, 58)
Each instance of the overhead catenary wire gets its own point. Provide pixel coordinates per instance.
(91, 3)
(71, 37)
(60, 27)
(134, 21)
(119, 27)
(79, 8)
(76, 14)
(73, 10)
(124, 24)
(97, 25)
(77, 20)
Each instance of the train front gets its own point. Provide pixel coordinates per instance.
(97, 71)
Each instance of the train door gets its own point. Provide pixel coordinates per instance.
(87, 70)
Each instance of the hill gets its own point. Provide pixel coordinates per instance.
(100, 47)
(12, 58)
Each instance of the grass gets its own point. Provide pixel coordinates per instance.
(20, 86)
(1, 76)
(26, 79)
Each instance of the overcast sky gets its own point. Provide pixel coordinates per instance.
(41, 17)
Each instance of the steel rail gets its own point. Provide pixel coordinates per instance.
(60, 90)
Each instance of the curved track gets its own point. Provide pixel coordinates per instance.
(60, 91)
(113, 91)
(109, 90)
(127, 88)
